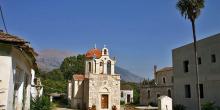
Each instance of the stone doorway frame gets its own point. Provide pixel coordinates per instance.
(104, 91)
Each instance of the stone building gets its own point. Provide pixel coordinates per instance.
(17, 64)
(99, 86)
(209, 73)
(161, 85)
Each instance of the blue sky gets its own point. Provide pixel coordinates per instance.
(140, 33)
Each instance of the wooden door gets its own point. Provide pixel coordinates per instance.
(128, 98)
(104, 101)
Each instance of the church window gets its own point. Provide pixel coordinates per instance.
(105, 51)
(95, 66)
(90, 67)
(109, 67)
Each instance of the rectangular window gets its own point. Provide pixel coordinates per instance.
(186, 66)
(201, 91)
(122, 95)
(213, 58)
(199, 60)
(172, 79)
(187, 91)
(148, 93)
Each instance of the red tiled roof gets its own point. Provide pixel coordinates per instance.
(78, 77)
(94, 53)
(10, 38)
(20, 43)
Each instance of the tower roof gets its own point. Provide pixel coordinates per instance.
(94, 53)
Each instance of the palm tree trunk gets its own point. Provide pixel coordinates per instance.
(196, 64)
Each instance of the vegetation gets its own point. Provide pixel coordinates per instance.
(179, 107)
(41, 103)
(55, 81)
(122, 102)
(191, 10)
(73, 65)
(210, 106)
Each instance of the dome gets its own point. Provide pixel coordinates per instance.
(94, 53)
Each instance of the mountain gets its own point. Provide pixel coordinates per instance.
(127, 76)
(51, 59)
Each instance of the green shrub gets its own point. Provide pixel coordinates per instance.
(179, 107)
(208, 106)
(122, 102)
(41, 103)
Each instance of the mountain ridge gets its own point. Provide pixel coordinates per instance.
(50, 59)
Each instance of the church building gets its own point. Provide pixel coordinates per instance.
(99, 86)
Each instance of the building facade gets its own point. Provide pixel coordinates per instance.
(127, 96)
(99, 86)
(17, 64)
(209, 73)
(162, 85)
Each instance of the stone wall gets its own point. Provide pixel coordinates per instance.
(104, 84)
(208, 71)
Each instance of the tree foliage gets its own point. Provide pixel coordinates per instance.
(73, 65)
(190, 9)
(41, 103)
(210, 106)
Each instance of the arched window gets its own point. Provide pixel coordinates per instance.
(101, 67)
(164, 80)
(109, 67)
(90, 67)
(169, 92)
(105, 51)
(95, 66)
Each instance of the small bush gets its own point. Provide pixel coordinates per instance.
(122, 102)
(210, 106)
(179, 107)
(41, 103)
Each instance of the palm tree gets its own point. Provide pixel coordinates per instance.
(191, 9)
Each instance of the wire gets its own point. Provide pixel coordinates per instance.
(3, 20)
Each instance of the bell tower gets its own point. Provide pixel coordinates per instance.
(99, 62)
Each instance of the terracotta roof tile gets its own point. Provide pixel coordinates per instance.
(78, 77)
(20, 43)
(10, 38)
(94, 53)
